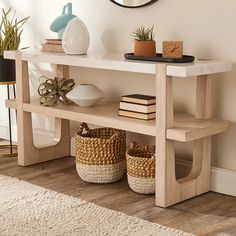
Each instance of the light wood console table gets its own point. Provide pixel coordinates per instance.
(167, 128)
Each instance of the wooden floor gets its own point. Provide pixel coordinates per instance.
(209, 214)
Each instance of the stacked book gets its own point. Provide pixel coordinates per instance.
(138, 106)
(52, 45)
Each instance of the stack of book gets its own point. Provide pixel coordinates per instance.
(138, 106)
(52, 45)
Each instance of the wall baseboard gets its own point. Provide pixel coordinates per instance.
(222, 180)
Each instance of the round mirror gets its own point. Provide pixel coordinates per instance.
(133, 3)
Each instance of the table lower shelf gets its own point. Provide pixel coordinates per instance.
(186, 128)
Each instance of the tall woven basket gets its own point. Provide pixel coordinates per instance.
(100, 154)
(141, 168)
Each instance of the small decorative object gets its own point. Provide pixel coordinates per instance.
(76, 38)
(54, 90)
(60, 23)
(144, 42)
(10, 37)
(172, 49)
(85, 95)
(100, 154)
(141, 168)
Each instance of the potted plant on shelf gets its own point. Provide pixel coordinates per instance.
(144, 44)
(10, 36)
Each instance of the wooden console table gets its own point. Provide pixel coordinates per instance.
(167, 128)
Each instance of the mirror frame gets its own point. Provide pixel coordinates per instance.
(146, 4)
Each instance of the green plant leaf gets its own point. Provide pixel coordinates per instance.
(10, 31)
(144, 34)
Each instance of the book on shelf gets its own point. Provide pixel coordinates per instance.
(52, 48)
(52, 45)
(139, 99)
(53, 41)
(128, 106)
(137, 115)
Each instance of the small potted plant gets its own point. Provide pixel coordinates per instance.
(10, 36)
(145, 44)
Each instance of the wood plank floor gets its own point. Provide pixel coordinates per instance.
(209, 214)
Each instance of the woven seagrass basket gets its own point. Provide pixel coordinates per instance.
(141, 168)
(100, 154)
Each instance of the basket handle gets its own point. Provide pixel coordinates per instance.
(134, 145)
(83, 126)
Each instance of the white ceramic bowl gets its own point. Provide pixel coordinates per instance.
(85, 95)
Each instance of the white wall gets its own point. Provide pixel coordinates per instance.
(206, 27)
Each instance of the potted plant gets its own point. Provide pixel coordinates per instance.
(10, 36)
(144, 44)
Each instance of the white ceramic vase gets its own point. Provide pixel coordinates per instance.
(85, 95)
(75, 39)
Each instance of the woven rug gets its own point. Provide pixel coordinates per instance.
(29, 210)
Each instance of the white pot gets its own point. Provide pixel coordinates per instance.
(85, 95)
(75, 39)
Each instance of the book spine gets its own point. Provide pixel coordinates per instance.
(52, 48)
(138, 100)
(134, 100)
(137, 107)
(137, 115)
(54, 41)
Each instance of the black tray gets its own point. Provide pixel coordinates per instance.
(159, 58)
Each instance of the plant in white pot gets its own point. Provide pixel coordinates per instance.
(144, 44)
(10, 37)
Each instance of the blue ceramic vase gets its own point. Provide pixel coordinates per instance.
(60, 23)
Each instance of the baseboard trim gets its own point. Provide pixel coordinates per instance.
(222, 180)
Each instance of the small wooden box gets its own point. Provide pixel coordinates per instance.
(172, 49)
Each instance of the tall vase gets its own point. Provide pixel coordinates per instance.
(76, 38)
(60, 23)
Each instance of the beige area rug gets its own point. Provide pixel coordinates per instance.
(29, 210)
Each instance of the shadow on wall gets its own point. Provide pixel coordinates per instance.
(112, 40)
(203, 51)
(225, 93)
